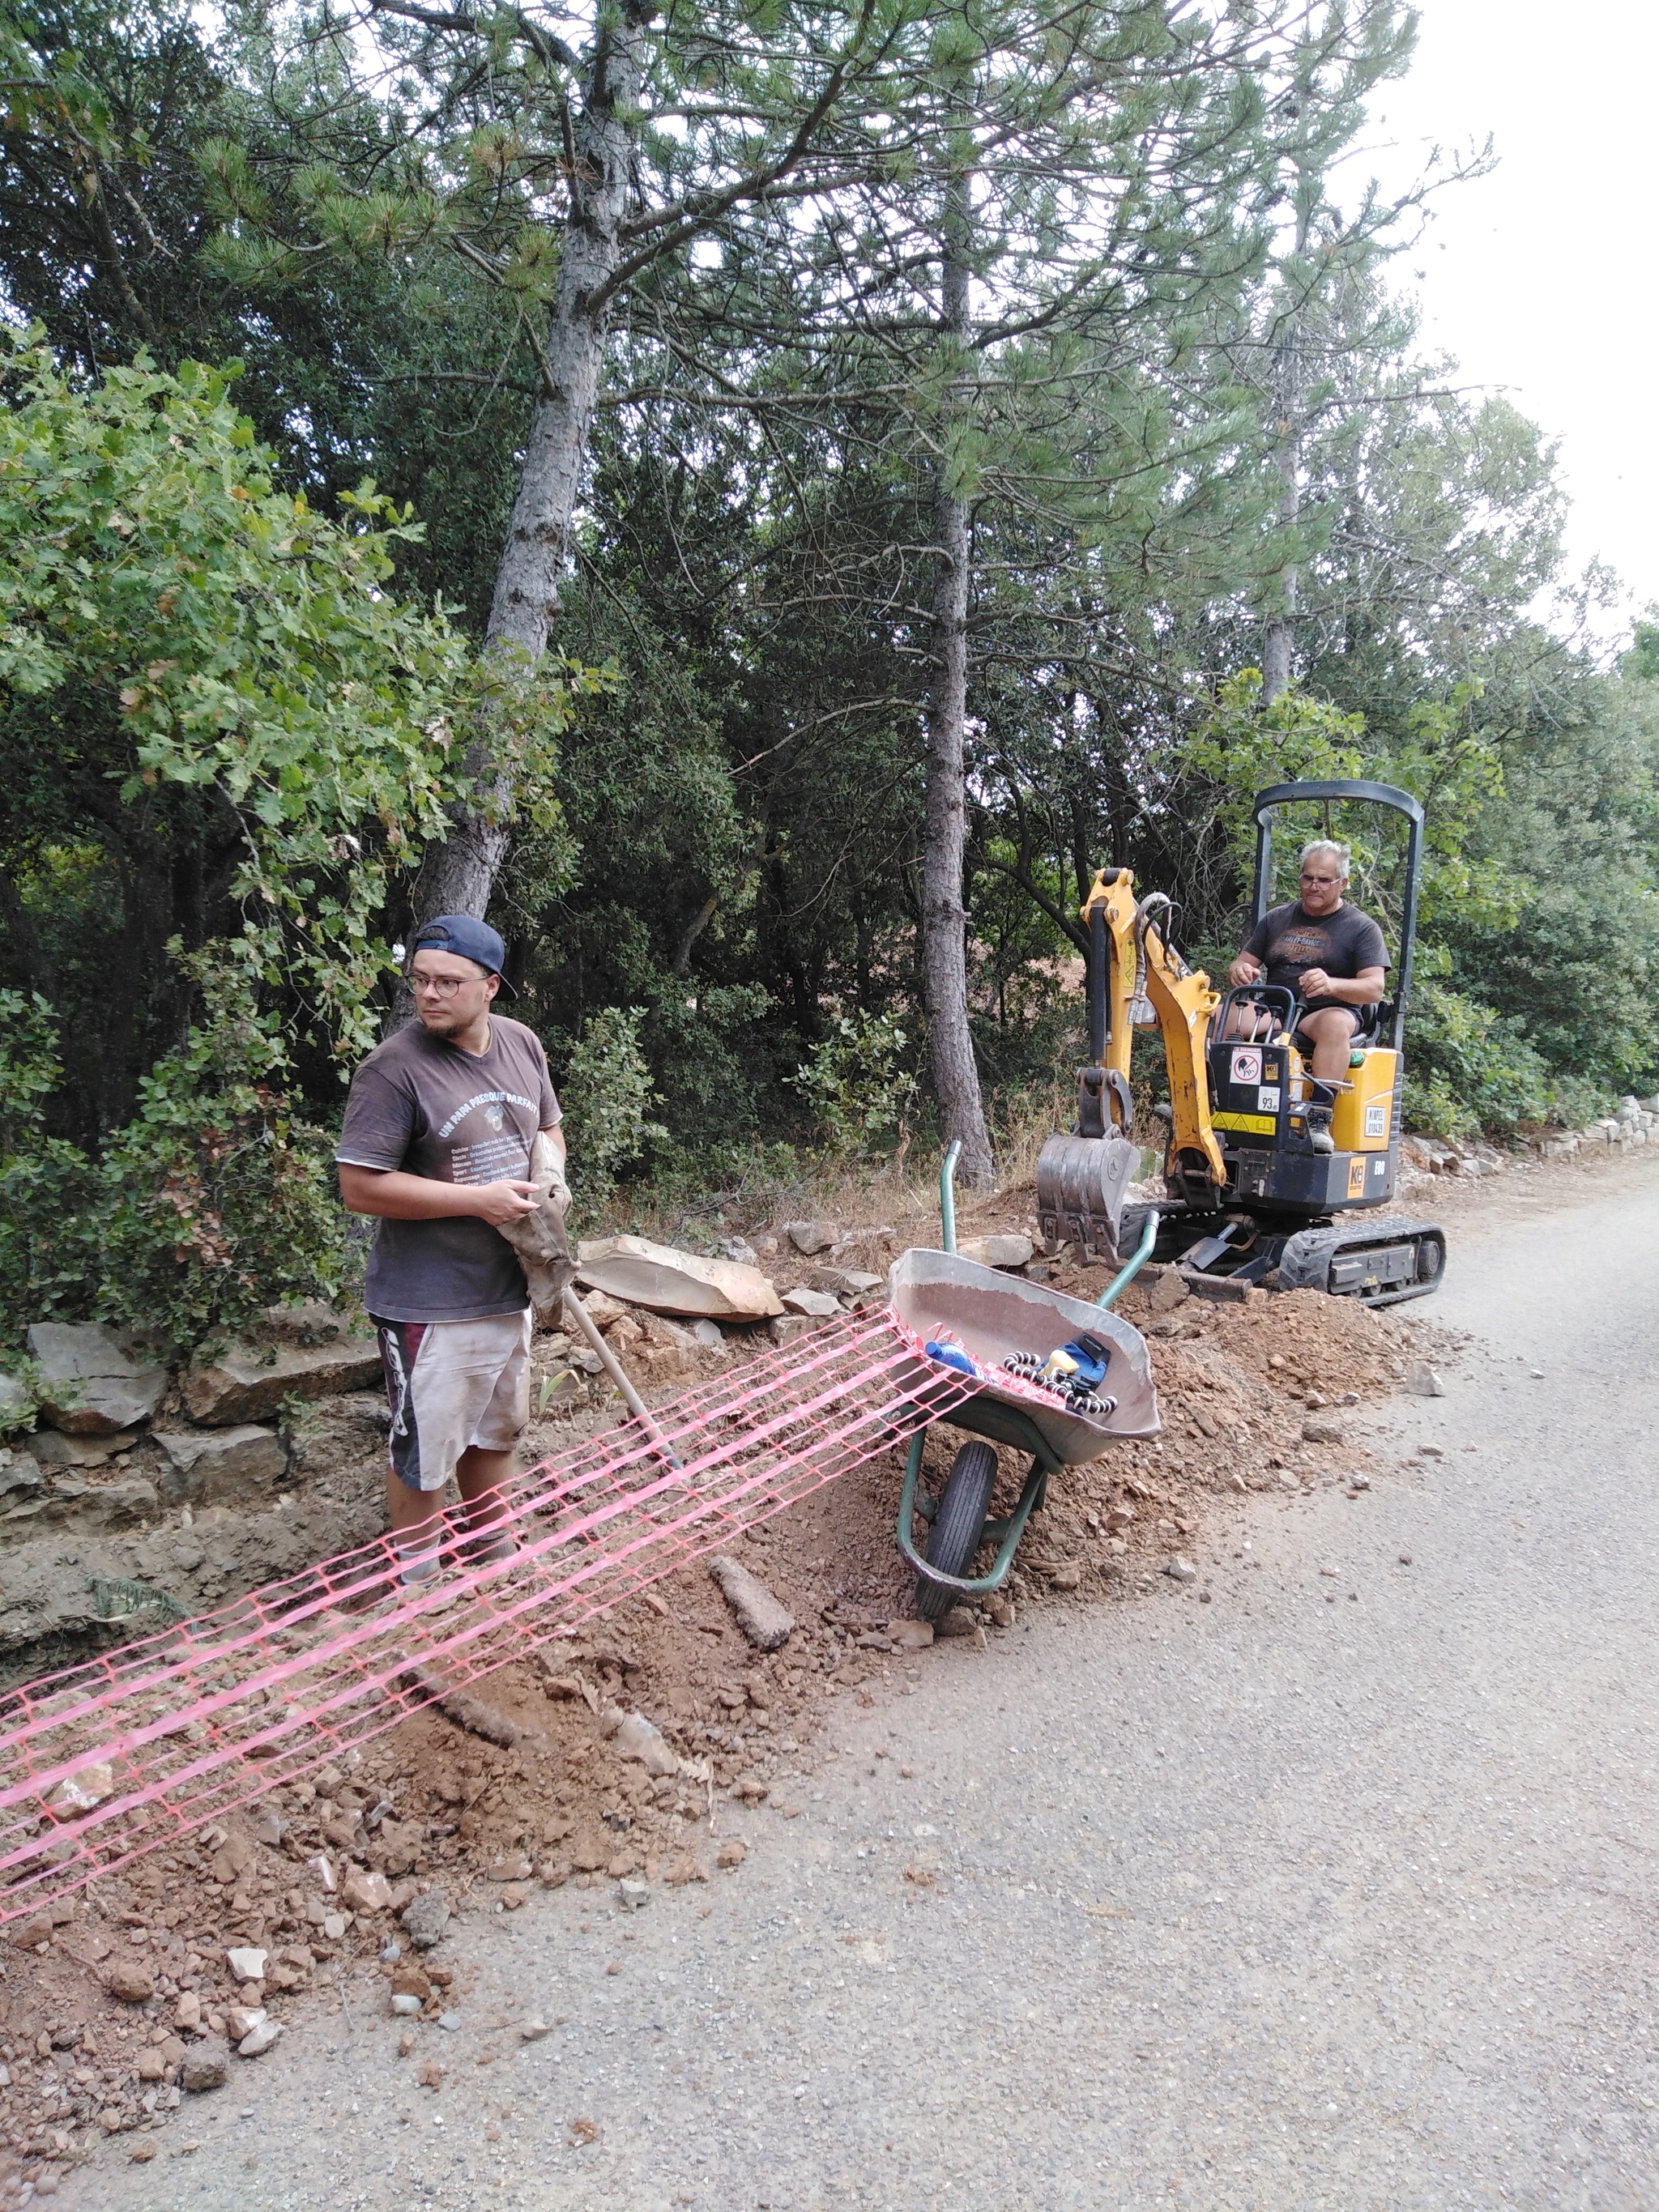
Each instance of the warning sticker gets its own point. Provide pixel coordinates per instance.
(1247, 1064)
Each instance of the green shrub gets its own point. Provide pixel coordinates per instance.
(856, 1084)
(212, 1203)
(607, 1097)
(1473, 1068)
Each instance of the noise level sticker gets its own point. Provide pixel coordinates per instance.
(1266, 1098)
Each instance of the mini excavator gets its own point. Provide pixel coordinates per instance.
(1250, 1199)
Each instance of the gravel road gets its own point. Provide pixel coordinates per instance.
(1336, 1890)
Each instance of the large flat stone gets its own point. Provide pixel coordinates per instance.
(116, 1504)
(668, 1280)
(249, 1384)
(90, 1384)
(221, 1466)
(58, 1448)
(998, 1251)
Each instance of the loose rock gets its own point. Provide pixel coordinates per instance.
(817, 1305)
(132, 1984)
(731, 1853)
(957, 1622)
(810, 1237)
(1180, 1570)
(641, 1741)
(425, 1918)
(258, 2040)
(910, 1635)
(366, 1892)
(247, 1965)
(206, 2066)
(1322, 1430)
(763, 1619)
(1422, 1381)
(635, 1895)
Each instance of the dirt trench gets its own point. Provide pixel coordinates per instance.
(109, 2005)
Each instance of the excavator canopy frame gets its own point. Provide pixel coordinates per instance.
(1370, 794)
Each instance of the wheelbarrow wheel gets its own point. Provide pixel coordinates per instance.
(957, 1525)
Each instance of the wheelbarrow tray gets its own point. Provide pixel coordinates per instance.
(995, 1313)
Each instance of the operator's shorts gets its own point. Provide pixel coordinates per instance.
(452, 1385)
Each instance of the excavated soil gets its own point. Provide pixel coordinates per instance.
(433, 1805)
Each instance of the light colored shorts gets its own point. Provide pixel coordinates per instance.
(452, 1385)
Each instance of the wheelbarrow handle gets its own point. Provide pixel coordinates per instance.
(947, 1193)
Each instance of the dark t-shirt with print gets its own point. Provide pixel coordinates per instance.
(421, 1104)
(1287, 941)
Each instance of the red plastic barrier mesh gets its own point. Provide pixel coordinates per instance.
(129, 1753)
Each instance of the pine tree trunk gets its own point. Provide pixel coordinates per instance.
(944, 921)
(457, 876)
(1279, 641)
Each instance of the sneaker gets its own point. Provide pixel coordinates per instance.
(487, 1551)
(416, 1569)
(1319, 1129)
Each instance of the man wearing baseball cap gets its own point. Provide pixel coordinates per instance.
(436, 1144)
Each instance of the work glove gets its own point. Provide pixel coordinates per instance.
(539, 1240)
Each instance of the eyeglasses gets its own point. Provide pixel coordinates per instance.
(1306, 878)
(440, 987)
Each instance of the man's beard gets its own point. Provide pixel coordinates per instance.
(443, 1021)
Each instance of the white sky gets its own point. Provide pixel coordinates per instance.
(1540, 277)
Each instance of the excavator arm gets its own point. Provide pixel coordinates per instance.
(1136, 979)
(1147, 977)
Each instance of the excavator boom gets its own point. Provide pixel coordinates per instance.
(1136, 979)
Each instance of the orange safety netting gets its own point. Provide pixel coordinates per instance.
(127, 1752)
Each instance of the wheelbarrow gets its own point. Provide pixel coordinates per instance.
(992, 1315)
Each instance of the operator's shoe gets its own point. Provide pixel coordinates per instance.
(1319, 1129)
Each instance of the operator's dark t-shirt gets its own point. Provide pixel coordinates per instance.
(1287, 941)
(423, 1105)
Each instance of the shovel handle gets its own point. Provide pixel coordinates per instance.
(613, 1367)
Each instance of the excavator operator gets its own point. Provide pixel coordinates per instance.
(1333, 957)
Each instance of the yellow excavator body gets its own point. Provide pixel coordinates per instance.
(1252, 1189)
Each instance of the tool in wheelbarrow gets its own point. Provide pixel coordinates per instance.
(1006, 1331)
(1271, 1177)
(1073, 1372)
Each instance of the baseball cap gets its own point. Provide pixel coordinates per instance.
(464, 934)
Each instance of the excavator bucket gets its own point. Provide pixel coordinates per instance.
(1081, 1179)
